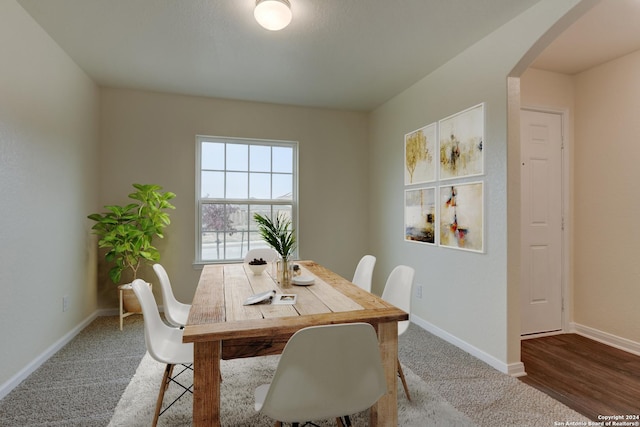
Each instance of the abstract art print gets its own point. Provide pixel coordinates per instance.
(462, 216)
(420, 155)
(420, 215)
(461, 143)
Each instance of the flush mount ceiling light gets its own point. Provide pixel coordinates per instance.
(273, 15)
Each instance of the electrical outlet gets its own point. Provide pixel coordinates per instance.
(419, 291)
(65, 303)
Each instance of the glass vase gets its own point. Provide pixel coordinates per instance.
(284, 273)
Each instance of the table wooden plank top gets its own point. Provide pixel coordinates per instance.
(218, 312)
(221, 327)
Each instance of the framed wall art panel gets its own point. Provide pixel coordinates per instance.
(420, 215)
(462, 216)
(461, 137)
(420, 156)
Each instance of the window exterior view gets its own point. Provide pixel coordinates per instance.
(236, 179)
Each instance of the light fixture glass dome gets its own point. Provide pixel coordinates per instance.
(273, 15)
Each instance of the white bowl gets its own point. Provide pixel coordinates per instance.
(257, 269)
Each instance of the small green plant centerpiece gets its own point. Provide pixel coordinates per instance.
(128, 231)
(280, 235)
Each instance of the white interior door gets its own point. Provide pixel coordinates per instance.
(541, 210)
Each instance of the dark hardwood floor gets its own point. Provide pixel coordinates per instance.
(589, 377)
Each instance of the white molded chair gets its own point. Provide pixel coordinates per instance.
(397, 291)
(164, 343)
(267, 254)
(313, 381)
(175, 312)
(364, 272)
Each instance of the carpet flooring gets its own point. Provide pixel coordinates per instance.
(240, 379)
(82, 384)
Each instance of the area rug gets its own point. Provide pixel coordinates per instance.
(240, 379)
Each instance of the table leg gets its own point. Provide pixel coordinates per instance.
(206, 383)
(385, 411)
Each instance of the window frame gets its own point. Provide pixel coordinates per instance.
(199, 200)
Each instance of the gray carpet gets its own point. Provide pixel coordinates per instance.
(241, 377)
(82, 384)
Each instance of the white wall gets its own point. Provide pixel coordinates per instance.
(465, 294)
(48, 142)
(150, 138)
(607, 236)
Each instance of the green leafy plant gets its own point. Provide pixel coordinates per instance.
(278, 234)
(128, 231)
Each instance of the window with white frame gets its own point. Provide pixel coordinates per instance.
(237, 178)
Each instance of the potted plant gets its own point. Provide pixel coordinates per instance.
(280, 235)
(128, 232)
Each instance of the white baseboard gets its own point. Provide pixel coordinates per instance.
(513, 369)
(606, 338)
(21, 375)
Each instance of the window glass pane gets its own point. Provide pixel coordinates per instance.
(214, 223)
(282, 187)
(237, 157)
(237, 185)
(212, 248)
(237, 239)
(264, 210)
(260, 160)
(259, 186)
(212, 155)
(256, 242)
(214, 217)
(283, 159)
(212, 185)
(284, 211)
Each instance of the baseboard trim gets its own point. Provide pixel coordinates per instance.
(21, 375)
(513, 369)
(606, 338)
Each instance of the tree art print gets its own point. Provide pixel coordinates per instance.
(420, 155)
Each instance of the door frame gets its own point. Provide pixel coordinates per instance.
(567, 215)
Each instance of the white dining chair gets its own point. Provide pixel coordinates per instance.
(364, 272)
(313, 381)
(175, 312)
(397, 291)
(267, 254)
(164, 344)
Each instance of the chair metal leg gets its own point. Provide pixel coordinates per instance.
(163, 387)
(404, 382)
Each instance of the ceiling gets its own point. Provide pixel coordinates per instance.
(607, 31)
(347, 54)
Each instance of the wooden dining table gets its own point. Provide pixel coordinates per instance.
(221, 327)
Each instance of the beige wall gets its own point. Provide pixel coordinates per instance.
(150, 137)
(465, 294)
(607, 149)
(603, 109)
(350, 183)
(48, 142)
